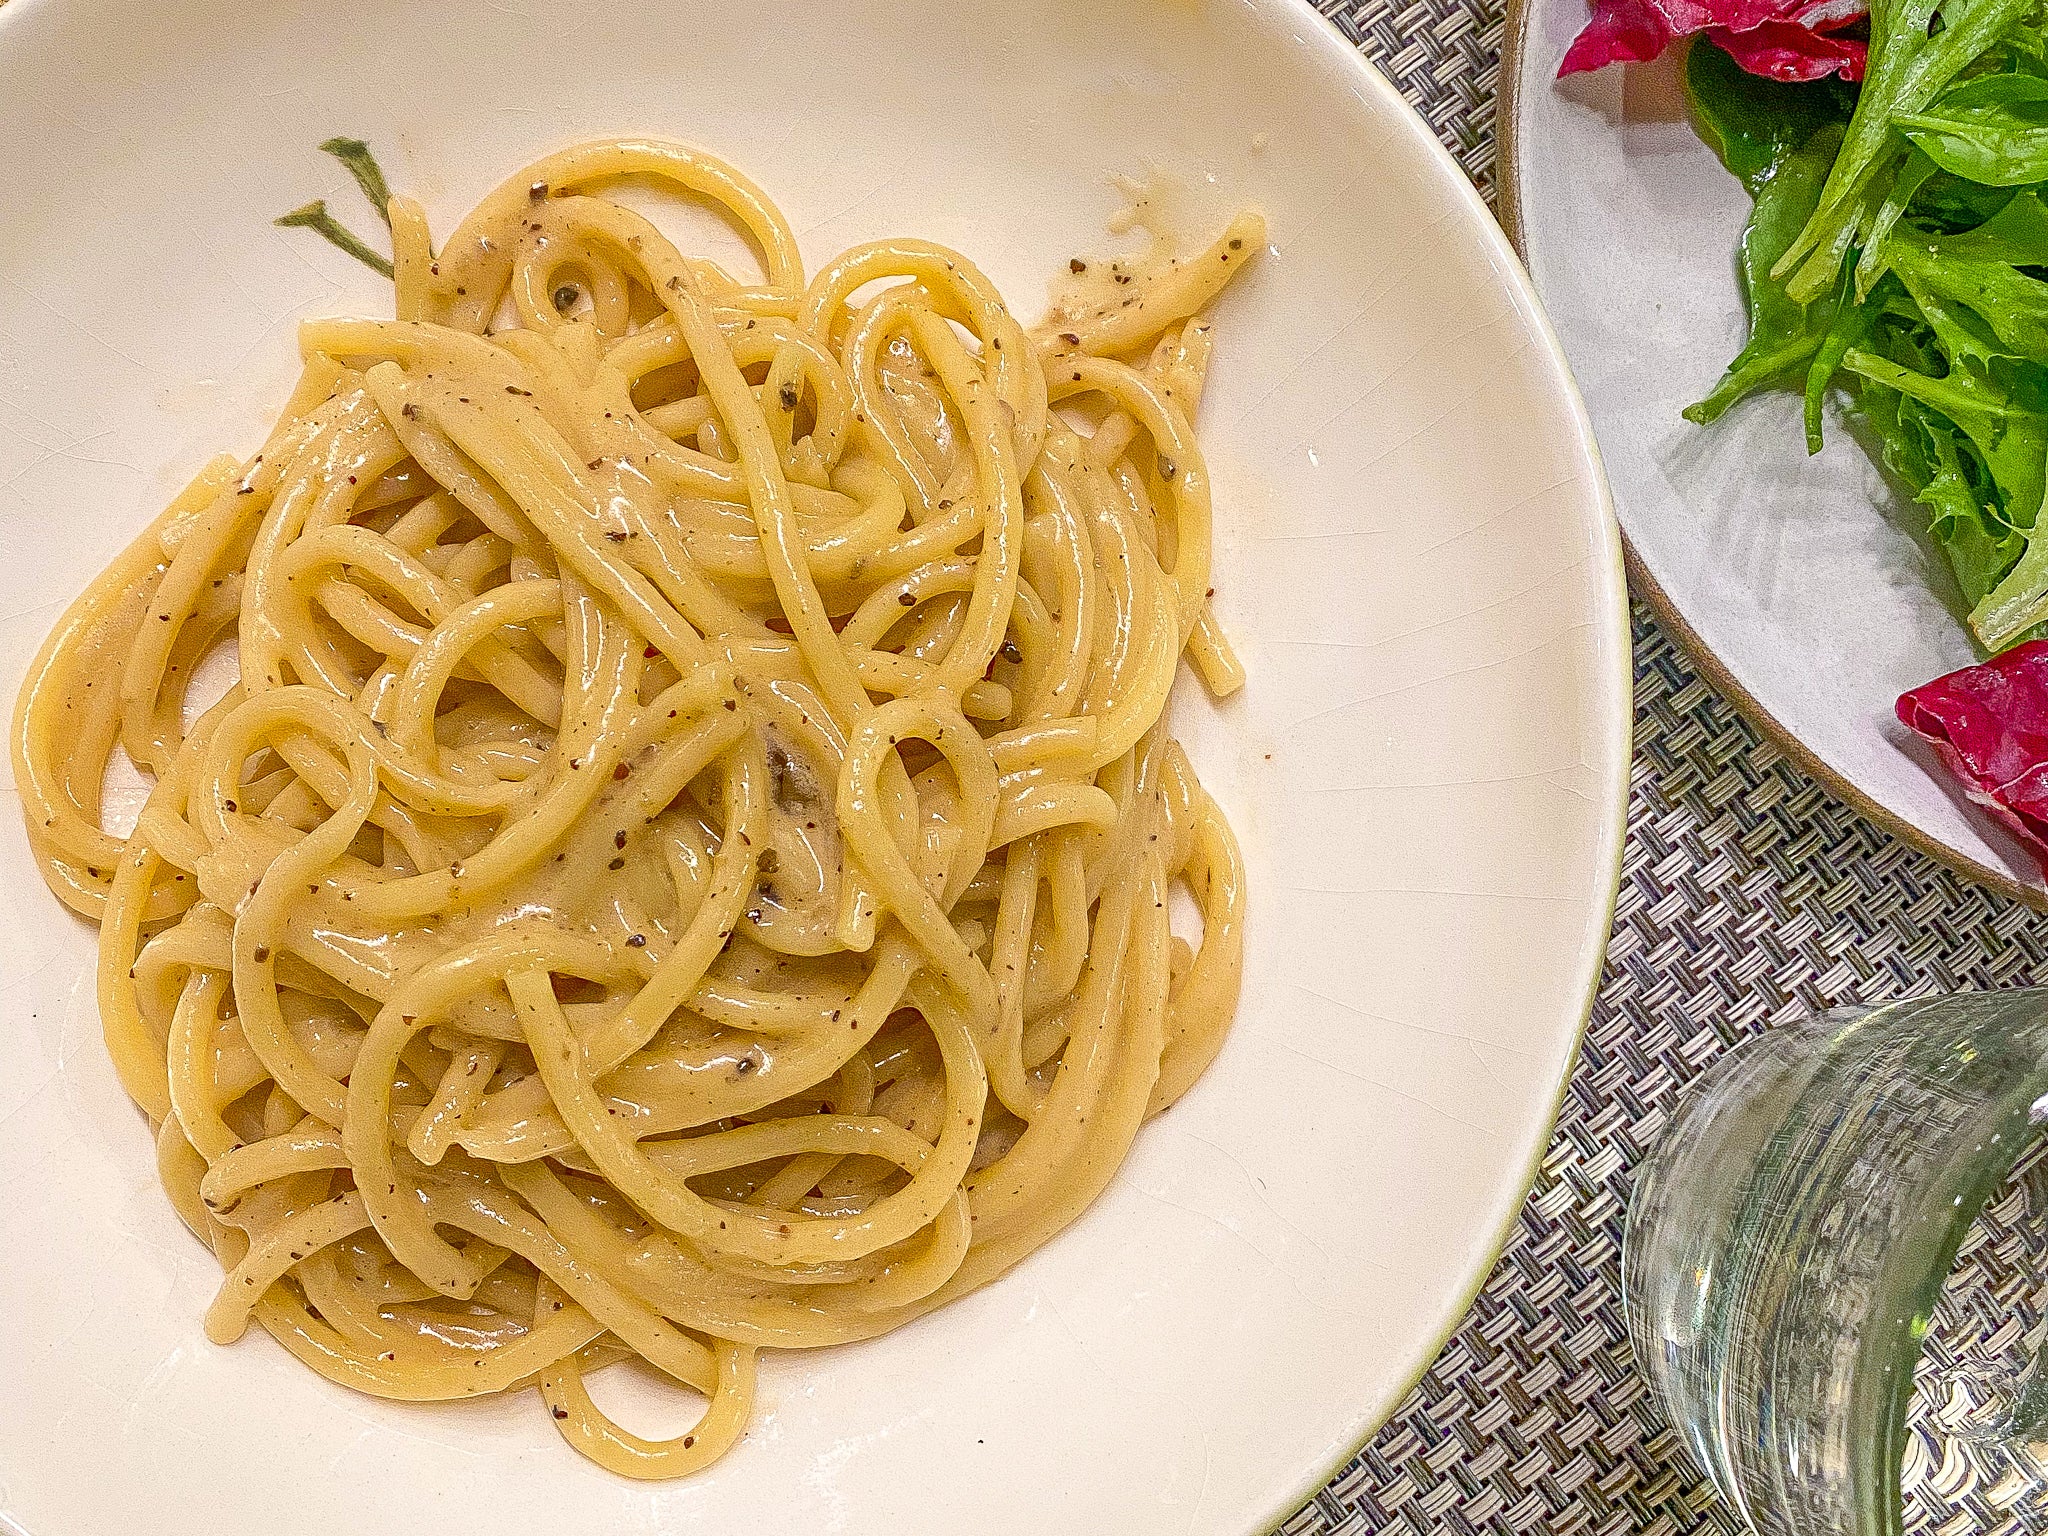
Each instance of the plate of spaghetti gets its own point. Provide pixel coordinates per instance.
(792, 768)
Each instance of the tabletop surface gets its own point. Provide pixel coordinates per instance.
(1749, 896)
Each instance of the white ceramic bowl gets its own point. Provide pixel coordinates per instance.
(1799, 584)
(1428, 769)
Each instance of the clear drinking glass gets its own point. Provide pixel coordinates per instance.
(1787, 1246)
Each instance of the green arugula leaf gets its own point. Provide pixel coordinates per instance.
(1784, 335)
(2012, 441)
(2017, 604)
(1848, 325)
(1946, 205)
(2011, 437)
(1924, 450)
(1908, 68)
(2016, 233)
(1982, 269)
(2012, 304)
(1754, 124)
(1992, 130)
(1980, 547)
(1874, 261)
(1961, 335)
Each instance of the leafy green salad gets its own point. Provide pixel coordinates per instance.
(1898, 248)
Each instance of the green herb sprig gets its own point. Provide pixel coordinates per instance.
(362, 165)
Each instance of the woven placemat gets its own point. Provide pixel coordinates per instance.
(1749, 896)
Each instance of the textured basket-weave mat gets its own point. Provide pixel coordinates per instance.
(1749, 896)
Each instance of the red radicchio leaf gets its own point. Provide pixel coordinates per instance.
(1784, 50)
(1783, 39)
(1990, 725)
(1621, 32)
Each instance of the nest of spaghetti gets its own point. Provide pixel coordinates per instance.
(684, 866)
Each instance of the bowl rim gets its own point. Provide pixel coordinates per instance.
(1497, 232)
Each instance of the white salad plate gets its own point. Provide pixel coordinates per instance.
(1416, 558)
(1801, 585)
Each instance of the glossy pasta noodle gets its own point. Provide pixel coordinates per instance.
(685, 867)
